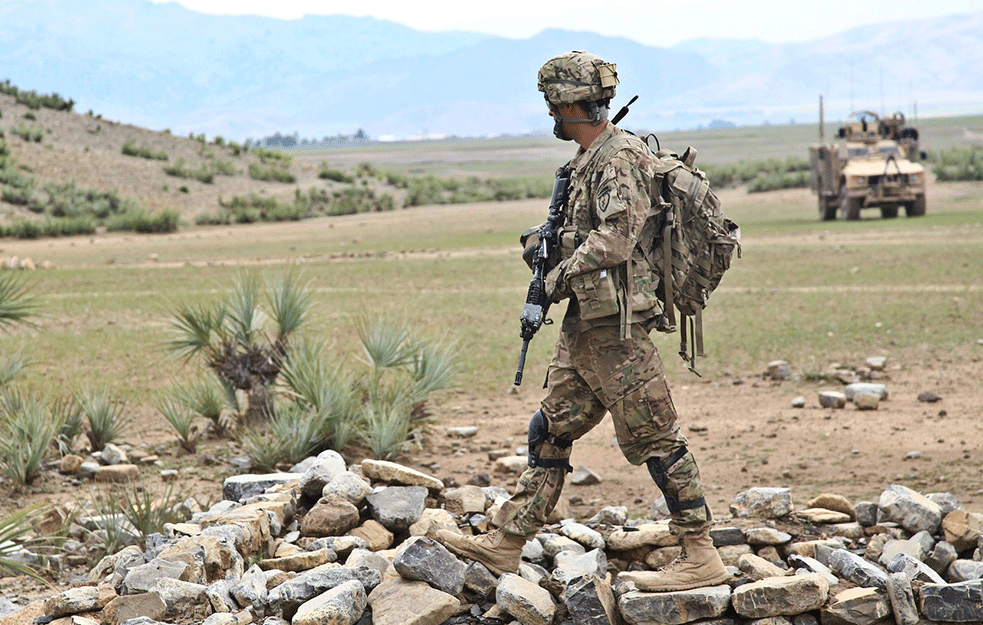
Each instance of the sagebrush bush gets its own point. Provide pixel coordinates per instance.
(958, 163)
(131, 149)
(271, 173)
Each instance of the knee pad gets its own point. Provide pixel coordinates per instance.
(662, 474)
(538, 435)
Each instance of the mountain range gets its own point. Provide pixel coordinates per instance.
(164, 66)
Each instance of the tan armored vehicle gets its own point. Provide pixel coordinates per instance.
(871, 164)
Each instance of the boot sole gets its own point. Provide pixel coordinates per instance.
(703, 583)
(495, 570)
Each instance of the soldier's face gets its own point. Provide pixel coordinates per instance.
(561, 129)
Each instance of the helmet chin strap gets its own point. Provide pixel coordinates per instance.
(597, 115)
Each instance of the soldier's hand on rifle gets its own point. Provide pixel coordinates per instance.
(556, 285)
(530, 243)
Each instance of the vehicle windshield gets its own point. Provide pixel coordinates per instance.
(889, 150)
(861, 151)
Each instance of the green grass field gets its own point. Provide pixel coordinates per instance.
(808, 291)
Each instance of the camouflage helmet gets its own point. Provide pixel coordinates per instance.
(576, 76)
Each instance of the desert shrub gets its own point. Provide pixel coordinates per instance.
(33, 100)
(293, 433)
(223, 168)
(30, 116)
(271, 173)
(13, 195)
(958, 163)
(131, 149)
(775, 182)
(18, 533)
(26, 430)
(27, 133)
(367, 170)
(336, 175)
(182, 420)
(142, 220)
(268, 156)
(179, 170)
(106, 418)
(17, 303)
(207, 397)
(255, 208)
(350, 201)
(236, 148)
(68, 413)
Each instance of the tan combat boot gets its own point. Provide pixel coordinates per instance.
(498, 551)
(699, 565)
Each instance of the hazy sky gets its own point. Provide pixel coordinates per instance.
(653, 22)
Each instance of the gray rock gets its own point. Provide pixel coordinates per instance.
(590, 539)
(799, 402)
(250, 591)
(857, 570)
(779, 370)
(341, 545)
(75, 601)
(179, 597)
(555, 543)
(348, 486)
(758, 568)
(524, 600)
(393, 473)
(467, 499)
(325, 467)
(805, 619)
(590, 601)
(913, 568)
(240, 487)
(910, 547)
(866, 401)
(584, 476)
(397, 507)
(771, 503)
(857, 606)
(946, 502)
(876, 363)
(425, 560)
(533, 551)
(369, 559)
(726, 536)
(330, 516)
(113, 454)
(659, 509)
(805, 564)
(866, 513)
(289, 595)
(776, 596)
(832, 399)
(865, 388)
(953, 603)
(219, 595)
(674, 608)
(941, 557)
(478, 579)
(397, 601)
(610, 515)
(762, 536)
(342, 604)
(467, 431)
(964, 571)
(902, 599)
(142, 578)
(911, 510)
(569, 566)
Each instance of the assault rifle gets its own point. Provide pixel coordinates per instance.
(537, 301)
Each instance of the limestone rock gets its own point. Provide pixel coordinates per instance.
(590, 601)
(857, 570)
(584, 476)
(524, 600)
(393, 473)
(912, 510)
(349, 487)
(758, 568)
(397, 601)
(962, 529)
(902, 599)
(953, 603)
(375, 536)
(241, 487)
(397, 507)
(821, 516)
(590, 539)
(856, 606)
(771, 503)
(775, 596)
(424, 559)
(330, 516)
(832, 399)
(341, 605)
(645, 535)
(674, 608)
(117, 473)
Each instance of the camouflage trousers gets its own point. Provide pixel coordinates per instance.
(594, 372)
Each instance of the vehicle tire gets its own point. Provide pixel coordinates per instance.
(889, 212)
(850, 206)
(916, 208)
(827, 209)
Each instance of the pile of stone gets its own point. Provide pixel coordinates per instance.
(337, 544)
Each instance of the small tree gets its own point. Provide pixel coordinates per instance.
(234, 338)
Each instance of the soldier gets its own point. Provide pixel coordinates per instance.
(604, 359)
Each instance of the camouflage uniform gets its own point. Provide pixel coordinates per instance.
(604, 360)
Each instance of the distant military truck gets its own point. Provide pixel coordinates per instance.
(871, 164)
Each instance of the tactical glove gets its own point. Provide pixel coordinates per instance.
(555, 284)
(530, 243)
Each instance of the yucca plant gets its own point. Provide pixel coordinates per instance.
(231, 336)
(10, 366)
(68, 413)
(114, 530)
(387, 416)
(182, 419)
(106, 418)
(206, 396)
(16, 302)
(293, 433)
(17, 535)
(26, 430)
(147, 511)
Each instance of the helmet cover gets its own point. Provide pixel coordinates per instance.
(576, 76)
